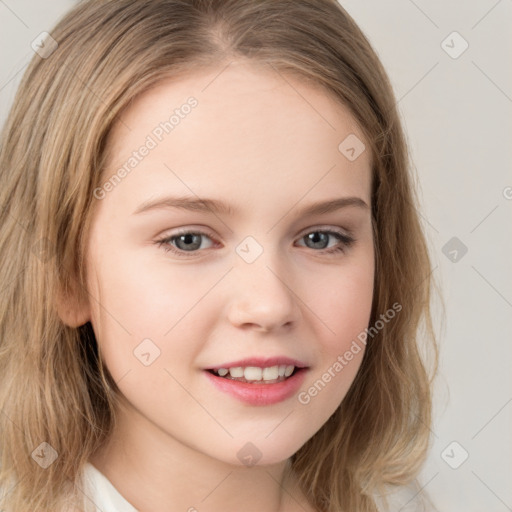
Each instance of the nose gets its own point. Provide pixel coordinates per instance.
(263, 297)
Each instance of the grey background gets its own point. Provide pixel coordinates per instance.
(457, 114)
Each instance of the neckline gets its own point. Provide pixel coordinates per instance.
(103, 493)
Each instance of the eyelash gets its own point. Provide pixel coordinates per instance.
(346, 242)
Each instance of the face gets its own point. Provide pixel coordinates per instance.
(254, 279)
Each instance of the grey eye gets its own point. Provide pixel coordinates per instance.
(318, 239)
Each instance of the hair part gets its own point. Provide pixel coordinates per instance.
(53, 151)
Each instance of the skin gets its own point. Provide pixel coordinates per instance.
(268, 146)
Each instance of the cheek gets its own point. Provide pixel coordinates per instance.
(345, 314)
(343, 300)
(344, 305)
(133, 302)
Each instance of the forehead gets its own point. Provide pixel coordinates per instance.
(241, 89)
(252, 127)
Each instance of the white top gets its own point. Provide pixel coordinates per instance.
(104, 497)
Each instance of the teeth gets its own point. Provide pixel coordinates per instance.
(254, 373)
(271, 373)
(238, 371)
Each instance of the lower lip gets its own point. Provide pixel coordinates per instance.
(260, 394)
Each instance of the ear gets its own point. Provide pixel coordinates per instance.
(73, 307)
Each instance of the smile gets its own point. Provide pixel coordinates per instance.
(269, 374)
(258, 392)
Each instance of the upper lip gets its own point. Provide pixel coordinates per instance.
(261, 362)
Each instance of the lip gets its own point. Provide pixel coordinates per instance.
(259, 394)
(261, 362)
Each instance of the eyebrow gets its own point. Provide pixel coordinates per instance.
(214, 205)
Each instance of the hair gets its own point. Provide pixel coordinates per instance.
(53, 386)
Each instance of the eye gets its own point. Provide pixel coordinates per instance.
(319, 239)
(191, 242)
(186, 241)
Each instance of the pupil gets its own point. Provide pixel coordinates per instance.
(188, 240)
(317, 237)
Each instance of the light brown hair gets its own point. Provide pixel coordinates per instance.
(53, 385)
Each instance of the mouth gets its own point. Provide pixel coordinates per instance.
(259, 382)
(257, 375)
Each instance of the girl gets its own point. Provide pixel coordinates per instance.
(213, 270)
